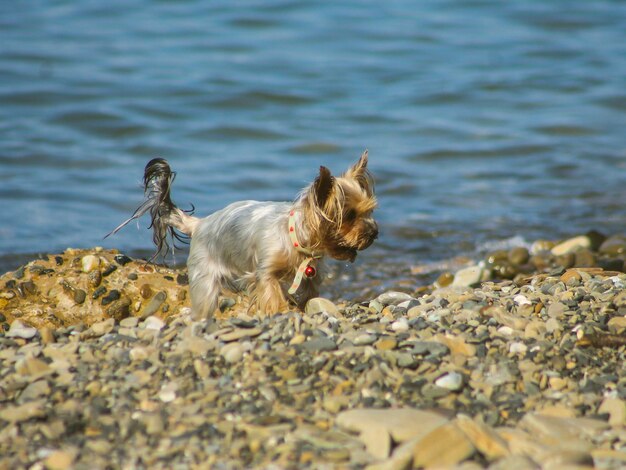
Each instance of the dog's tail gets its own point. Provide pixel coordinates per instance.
(166, 218)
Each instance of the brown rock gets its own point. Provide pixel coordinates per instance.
(444, 280)
(518, 256)
(486, 440)
(119, 309)
(566, 433)
(617, 325)
(386, 343)
(320, 304)
(47, 335)
(572, 245)
(517, 462)
(615, 245)
(145, 291)
(571, 275)
(456, 344)
(60, 460)
(33, 368)
(584, 258)
(504, 318)
(567, 459)
(29, 410)
(378, 426)
(445, 446)
(240, 333)
(99, 329)
(154, 305)
(616, 409)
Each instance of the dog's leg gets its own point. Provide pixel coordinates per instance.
(204, 290)
(269, 295)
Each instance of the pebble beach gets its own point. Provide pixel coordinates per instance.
(514, 361)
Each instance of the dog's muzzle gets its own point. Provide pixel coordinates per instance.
(369, 235)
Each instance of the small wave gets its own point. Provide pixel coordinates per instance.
(506, 244)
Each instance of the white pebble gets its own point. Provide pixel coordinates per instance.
(232, 352)
(617, 282)
(518, 348)
(521, 300)
(505, 330)
(138, 353)
(168, 392)
(90, 262)
(20, 330)
(393, 297)
(364, 339)
(450, 381)
(400, 325)
(153, 323)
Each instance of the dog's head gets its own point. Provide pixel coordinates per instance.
(338, 211)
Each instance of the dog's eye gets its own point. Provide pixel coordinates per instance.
(350, 215)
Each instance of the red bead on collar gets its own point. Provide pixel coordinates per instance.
(310, 271)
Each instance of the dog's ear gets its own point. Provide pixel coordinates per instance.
(323, 186)
(360, 173)
(359, 167)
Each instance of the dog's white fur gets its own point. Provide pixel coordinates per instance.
(235, 248)
(246, 246)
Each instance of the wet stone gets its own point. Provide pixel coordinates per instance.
(119, 309)
(122, 260)
(79, 296)
(154, 304)
(112, 296)
(110, 269)
(26, 288)
(145, 291)
(98, 292)
(40, 270)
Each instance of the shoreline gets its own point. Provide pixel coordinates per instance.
(511, 373)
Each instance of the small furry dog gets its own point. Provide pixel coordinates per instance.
(272, 250)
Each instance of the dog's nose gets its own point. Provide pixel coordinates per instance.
(374, 230)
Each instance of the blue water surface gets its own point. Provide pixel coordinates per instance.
(486, 121)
